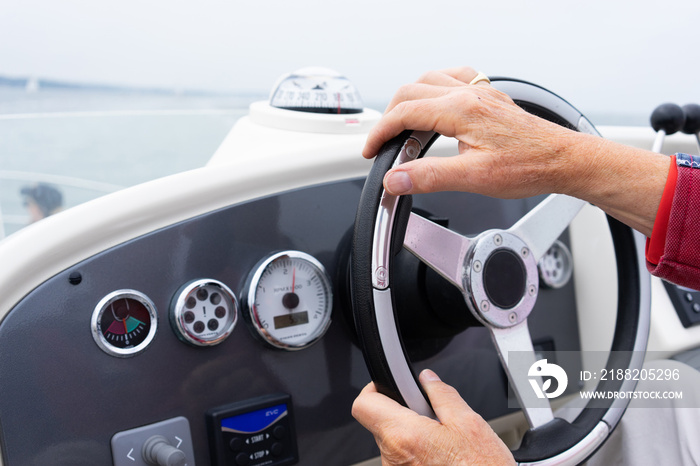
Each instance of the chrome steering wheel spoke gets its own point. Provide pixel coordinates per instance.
(538, 411)
(541, 227)
(439, 248)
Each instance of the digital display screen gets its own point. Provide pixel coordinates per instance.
(290, 320)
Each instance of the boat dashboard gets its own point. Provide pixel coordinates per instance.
(206, 317)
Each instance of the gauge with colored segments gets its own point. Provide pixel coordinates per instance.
(204, 312)
(289, 300)
(124, 323)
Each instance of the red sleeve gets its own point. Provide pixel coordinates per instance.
(677, 252)
(655, 244)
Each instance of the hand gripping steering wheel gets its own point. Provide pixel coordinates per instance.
(385, 223)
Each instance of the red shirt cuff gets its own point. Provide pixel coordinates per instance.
(655, 245)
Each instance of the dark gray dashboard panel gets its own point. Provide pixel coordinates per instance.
(62, 398)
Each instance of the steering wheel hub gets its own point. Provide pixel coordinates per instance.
(501, 280)
(504, 278)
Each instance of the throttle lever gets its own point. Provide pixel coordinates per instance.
(692, 121)
(666, 119)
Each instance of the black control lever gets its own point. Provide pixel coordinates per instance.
(666, 119)
(692, 121)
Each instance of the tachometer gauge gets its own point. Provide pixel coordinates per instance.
(124, 323)
(289, 300)
(204, 312)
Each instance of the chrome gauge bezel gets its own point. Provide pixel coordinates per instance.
(96, 324)
(178, 309)
(251, 288)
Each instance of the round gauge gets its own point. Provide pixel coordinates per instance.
(204, 312)
(316, 90)
(289, 300)
(124, 323)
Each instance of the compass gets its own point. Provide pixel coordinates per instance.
(316, 90)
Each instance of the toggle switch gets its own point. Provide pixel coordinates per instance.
(157, 451)
(165, 443)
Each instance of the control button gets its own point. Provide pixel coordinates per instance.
(253, 432)
(236, 444)
(242, 459)
(696, 307)
(688, 297)
(279, 432)
(412, 148)
(277, 449)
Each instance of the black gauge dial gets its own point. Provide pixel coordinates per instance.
(124, 323)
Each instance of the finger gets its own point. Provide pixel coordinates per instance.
(374, 410)
(417, 91)
(462, 74)
(442, 78)
(466, 172)
(448, 405)
(442, 114)
(452, 77)
(447, 112)
(420, 115)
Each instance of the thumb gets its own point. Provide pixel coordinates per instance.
(433, 174)
(448, 405)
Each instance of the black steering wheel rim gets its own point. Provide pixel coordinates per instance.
(557, 440)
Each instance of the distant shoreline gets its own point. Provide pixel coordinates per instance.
(36, 84)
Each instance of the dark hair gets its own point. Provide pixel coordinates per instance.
(45, 196)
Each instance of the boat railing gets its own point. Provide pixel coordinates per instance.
(73, 191)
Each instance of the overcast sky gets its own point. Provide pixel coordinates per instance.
(602, 55)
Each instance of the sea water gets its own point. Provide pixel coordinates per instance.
(110, 138)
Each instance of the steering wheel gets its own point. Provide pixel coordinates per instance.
(477, 266)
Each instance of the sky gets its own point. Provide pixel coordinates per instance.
(602, 55)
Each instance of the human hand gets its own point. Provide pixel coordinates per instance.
(407, 438)
(506, 152)
(503, 150)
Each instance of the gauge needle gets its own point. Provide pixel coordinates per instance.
(291, 300)
(126, 330)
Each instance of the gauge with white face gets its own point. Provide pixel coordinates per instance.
(289, 300)
(204, 312)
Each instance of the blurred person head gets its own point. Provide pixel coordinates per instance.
(41, 200)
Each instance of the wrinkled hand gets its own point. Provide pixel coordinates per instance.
(461, 437)
(504, 151)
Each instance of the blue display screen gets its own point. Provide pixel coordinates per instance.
(254, 421)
